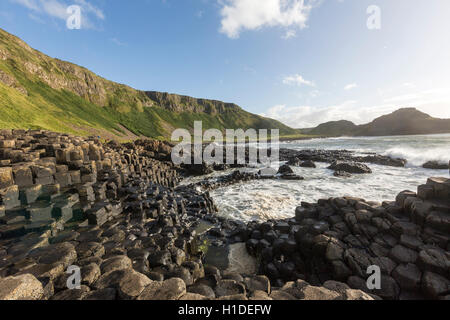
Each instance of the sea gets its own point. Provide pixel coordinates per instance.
(262, 200)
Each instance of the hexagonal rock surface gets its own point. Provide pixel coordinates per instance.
(62, 253)
(172, 289)
(23, 287)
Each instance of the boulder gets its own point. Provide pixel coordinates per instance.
(6, 177)
(436, 165)
(61, 253)
(308, 164)
(285, 169)
(350, 167)
(434, 285)
(116, 263)
(172, 289)
(22, 287)
(228, 288)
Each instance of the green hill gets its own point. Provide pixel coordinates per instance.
(37, 91)
(406, 121)
(334, 128)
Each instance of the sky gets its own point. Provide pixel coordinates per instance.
(303, 62)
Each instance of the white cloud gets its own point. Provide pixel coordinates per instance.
(350, 86)
(238, 15)
(435, 102)
(297, 80)
(58, 9)
(118, 42)
(290, 34)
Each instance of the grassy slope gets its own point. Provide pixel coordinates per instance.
(58, 105)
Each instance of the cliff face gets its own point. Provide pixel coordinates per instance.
(37, 91)
(177, 103)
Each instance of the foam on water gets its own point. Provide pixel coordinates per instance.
(269, 199)
(417, 157)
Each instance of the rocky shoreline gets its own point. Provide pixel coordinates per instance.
(119, 214)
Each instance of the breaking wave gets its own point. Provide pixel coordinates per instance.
(418, 156)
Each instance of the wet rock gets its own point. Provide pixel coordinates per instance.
(308, 164)
(228, 288)
(258, 283)
(342, 174)
(350, 167)
(203, 290)
(285, 169)
(435, 165)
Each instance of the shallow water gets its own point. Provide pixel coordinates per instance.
(268, 199)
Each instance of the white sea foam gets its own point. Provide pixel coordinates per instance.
(419, 156)
(269, 199)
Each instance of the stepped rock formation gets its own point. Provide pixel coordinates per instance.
(340, 238)
(115, 212)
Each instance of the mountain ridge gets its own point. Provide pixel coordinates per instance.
(37, 91)
(404, 121)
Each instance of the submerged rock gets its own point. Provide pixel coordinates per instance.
(436, 165)
(350, 167)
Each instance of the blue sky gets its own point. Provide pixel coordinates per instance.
(302, 62)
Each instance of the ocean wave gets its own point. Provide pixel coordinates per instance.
(418, 156)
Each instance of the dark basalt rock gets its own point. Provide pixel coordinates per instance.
(435, 165)
(350, 167)
(122, 218)
(295, 158)
(285, 169)
(339, 238)
(308, 164)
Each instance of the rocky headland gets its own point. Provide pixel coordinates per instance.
(118, 212)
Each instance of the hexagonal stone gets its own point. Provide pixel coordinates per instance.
(116, 263)
(407, 276)
(6, 177)
(90, 249)
(90, 274)
(402, 254)
(61, 253)
(22, 287)
(172, 289)
(101, 295)
(435, 285)
(228, 288)
(72, 294)
(434, 260)
(258, 283)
